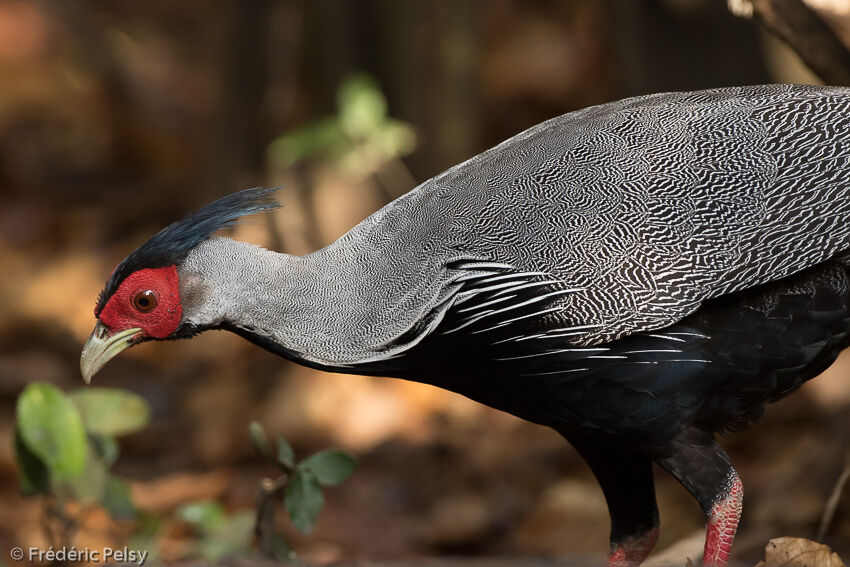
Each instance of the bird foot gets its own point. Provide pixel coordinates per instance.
(722, 524)
(631, 551)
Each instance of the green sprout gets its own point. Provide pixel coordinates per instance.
(361, 137)
(65, 446)
(300, 483)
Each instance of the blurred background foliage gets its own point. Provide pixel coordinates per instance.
(117, 118)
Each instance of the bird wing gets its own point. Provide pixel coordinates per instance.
(645, 208)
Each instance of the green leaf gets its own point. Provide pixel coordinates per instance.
(238, 529)
(259, 439)
(116, 499)
(88, 487)
(285, 454)
(111, 411)
(205, 516)
(395, 139)
(362, 106)
(33, 477)
(51, 427)
(106, 449)
(279, 549)
(304, 500)
(225, 535)
(322, 138)
(331, 466)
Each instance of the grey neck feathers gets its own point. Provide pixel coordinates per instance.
(323, 307)
(643, 209)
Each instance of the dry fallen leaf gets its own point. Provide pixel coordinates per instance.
(798, 552)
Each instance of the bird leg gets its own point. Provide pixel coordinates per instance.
(626, 481)
(702, 467)
(632, 550)
(723, 523)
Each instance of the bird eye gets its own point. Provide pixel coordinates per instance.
(144, 301)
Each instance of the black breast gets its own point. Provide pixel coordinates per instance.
(715, 369)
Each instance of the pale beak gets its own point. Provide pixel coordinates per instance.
(101, 348)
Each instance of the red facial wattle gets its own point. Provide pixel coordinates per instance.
(148, 299)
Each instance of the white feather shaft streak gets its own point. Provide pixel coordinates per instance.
(494, 312)
(490, 277)
(515, 319)
(555, 351)
(465, 295)
(476, 307)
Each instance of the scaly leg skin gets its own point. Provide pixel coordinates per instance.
(723, 523)
(631, 551)
(698, 462)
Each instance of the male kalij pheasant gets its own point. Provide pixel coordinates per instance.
(640, 276)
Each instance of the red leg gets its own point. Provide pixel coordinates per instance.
(631, 551)
(722, 525)
(707, 473)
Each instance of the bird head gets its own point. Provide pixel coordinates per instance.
(141, 300)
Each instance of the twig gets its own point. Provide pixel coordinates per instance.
(46, 519)
(832, 502)
(59, 527)
(264, 526)
(807, 34)
(394, 177)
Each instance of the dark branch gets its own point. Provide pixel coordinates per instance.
(807, 34)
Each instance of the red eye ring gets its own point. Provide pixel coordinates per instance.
(145, 301)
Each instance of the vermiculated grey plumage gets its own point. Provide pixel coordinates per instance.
(637, 275)
(643, 209)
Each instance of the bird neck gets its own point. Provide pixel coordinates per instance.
(311, 308)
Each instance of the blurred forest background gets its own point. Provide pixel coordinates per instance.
(117, 118)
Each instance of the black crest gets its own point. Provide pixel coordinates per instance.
(170, 245)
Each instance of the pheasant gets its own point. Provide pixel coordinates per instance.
(640, 276)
